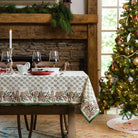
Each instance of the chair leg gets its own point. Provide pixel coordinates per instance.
(31, 126)
(26, 122)
(19, 126)
(35, 120)
(61, 126)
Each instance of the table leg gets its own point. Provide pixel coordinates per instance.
(19, 126)
(61, 126)
(31, 126)
(71, 124)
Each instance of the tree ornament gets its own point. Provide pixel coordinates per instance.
(133, 2)
(121, 21)
(122, 29)
(132, 71)
(101, 83)
(110, 76)
(131, 50)
(135, 61)
(125, 92)
(118, 41)
(127, 50)
(121, 49)
(125, 61)
(126, 76)
(136, 18)
(130, 79)
(135, 89)
(126, 6)
(128, 37)
(116, 69)
(106, 73)
(112, 65)
(112, 91)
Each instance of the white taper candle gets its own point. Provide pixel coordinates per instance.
(10, 39)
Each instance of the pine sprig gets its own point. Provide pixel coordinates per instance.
(60, 13)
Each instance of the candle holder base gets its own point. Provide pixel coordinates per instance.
(10, 71)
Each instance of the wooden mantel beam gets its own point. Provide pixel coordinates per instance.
(45, 18)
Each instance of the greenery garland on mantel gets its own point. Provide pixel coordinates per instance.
(60, 13)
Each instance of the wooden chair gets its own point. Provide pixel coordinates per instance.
(63, 66)
(2, 65)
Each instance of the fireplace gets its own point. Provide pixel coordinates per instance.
(73, 51)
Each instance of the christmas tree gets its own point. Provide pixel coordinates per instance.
(119, 88)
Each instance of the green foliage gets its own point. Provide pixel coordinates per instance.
(119, 88)
(61, 14)
(62, 17)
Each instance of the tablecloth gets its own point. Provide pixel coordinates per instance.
(67, 87)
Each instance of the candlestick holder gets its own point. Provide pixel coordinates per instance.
(10, 71)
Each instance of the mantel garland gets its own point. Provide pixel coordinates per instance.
(60, 13)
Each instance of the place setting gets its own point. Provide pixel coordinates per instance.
(25, 69)
(36, 58)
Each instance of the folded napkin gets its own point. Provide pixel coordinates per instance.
(1, 71)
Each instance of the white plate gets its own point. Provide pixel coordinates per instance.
(56, 70)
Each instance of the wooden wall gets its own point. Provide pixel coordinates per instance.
(93, 47)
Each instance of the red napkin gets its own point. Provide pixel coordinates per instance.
(4, 70)
(1, 71)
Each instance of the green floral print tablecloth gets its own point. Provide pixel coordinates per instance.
(69, 87)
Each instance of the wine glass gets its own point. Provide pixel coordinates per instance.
(53, 57)
(5, 57)
(36, 57)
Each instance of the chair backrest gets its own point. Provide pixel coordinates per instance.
(63, 65)
(2, 65)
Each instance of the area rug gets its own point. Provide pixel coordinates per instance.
(48, 126)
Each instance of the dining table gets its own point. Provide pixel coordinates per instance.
(55, 93)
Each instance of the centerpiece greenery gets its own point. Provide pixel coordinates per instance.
(61, 14)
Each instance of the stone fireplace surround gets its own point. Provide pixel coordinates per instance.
(73, 51)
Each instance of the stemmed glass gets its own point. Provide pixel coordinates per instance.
(5, 57)
(36, 57)
(53, 57)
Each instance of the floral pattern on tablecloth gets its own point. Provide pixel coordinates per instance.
(73, 87)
